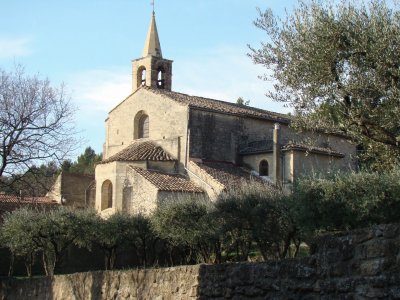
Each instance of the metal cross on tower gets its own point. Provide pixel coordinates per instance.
(152, 3)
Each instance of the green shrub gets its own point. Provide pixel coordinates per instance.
(255, 213)
(27, 231)
(19, 233)
(346, 201)
(188, 223)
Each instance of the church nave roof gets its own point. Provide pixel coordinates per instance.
(141, 151)
(221, 106)
(228, 174)
(168, 182)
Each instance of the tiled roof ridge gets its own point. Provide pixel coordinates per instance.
(195, 165)
(5, 198)
(244, 110)
(185, 185)
(226, 176)
(141, 151)
(311, 148)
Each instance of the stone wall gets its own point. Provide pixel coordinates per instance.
(73, 188)
(363, 264)
(214, 136)
(167, 121)
(143, 200)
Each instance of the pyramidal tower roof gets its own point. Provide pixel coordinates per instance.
(152, 45)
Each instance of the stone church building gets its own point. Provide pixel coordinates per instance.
(161, 143)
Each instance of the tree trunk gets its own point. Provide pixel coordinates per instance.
(28, 264)
(171, 261)
(11, 267)
(113, 258)
(217, 251)
(44, 260)
(28, 267)
(107, 256)
(297, 243)
(144, 253)
(48, 264)
(286, 246)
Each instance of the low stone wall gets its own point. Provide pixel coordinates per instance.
(363, 264)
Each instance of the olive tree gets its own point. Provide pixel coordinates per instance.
(59, 229)
(346, 201)
(31, 230)
(143, 239)
(255, 215)
(18, 233)
(338, 65)
(188, 223)
(112, 234)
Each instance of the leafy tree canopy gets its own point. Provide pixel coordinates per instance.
(84, 164)
(338, 65)
(242, 102)
(36, 181)
(183, 222)
(345, 201)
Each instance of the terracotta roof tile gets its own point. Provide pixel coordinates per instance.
(9, 202)
(227, 174)
(168, 182)
(140, 151)
(221, 106)
(312, 149)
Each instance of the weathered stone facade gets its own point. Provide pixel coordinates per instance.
(71, 189)
(363, 264)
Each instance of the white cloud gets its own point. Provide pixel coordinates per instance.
(99, 90)
(14, 47)
(225, 73)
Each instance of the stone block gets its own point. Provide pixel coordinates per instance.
(376, 266)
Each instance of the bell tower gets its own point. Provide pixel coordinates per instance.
(152, 69)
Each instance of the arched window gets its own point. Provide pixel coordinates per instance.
(141, 76)
(160, 78)
(106, 195)
(143, 127)
(263, 168)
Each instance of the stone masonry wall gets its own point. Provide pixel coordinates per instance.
(213, 136)
(73, 187)
(167, 121)
(363, 264)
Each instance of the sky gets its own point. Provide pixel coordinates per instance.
(88, 45)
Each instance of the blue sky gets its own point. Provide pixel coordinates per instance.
(89, 46)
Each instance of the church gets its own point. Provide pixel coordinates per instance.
(161, 144)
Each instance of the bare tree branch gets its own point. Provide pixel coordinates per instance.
(36, 122)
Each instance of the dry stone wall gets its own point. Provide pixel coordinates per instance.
(363, 264)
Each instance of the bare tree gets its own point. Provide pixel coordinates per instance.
(36, 122)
